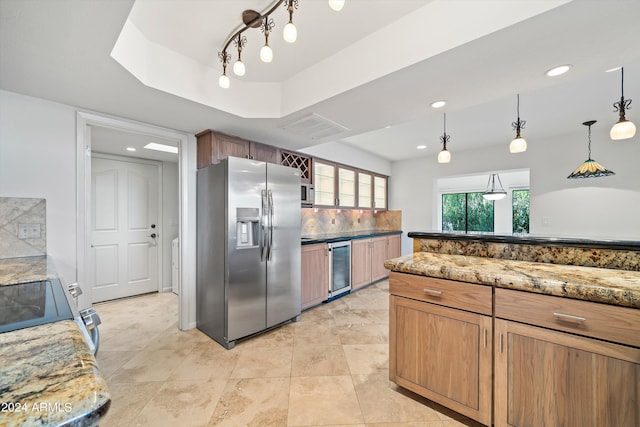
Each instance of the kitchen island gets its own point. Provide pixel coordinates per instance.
(517, 333)
(48, 375)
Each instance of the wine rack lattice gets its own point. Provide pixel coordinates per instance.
(297, 161)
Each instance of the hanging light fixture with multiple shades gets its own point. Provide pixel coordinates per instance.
(444, 156)
(518, 144)
(624, 128)
(590, 168)
(254, 19)
(492, 192)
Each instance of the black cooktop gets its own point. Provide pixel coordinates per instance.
(31, 304)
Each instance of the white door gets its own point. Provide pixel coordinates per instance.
(124, 236)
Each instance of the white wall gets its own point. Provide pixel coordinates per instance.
(597, 208)
(37, 159)
(343, 153)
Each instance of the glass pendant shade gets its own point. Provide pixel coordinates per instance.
(444, 156)
(266, 54)
(224, 82)
(290, 33)
(493, 193)
(336, 5)
(238, 68)
(518, 145)
(623, 130)
(590, 168)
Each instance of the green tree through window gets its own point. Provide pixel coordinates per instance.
(466, 212)
(520, 211)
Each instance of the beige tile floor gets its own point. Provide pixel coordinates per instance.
(328, 369)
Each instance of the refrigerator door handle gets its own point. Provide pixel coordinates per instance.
(270, 204)
(263, 225)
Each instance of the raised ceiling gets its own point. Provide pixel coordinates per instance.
(373, 65)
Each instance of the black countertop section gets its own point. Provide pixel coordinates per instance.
(629, 245)
(349, 235)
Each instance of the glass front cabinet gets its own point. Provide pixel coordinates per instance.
(340, 186)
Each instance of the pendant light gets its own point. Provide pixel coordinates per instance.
(223, 80)
(493, 193)
(444, 156)
(238, 67)
(590, 168)
(336, 5)
(290, 32)
(624, 129)
(266, 54)
(518, 144)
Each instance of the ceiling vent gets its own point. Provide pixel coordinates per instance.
(314, 126)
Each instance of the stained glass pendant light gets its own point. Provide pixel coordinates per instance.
(590, 168)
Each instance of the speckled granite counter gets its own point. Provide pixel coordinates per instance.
(48, 375)
(27, 269)
(617, 287)
(347, 235)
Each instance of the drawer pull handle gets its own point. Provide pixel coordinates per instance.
(562, 316)
(432, 292)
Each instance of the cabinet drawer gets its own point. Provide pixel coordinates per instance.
(461, 295)
(607, 322)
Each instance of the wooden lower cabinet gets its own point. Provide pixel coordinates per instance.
(443, 354)
(315, 274)
(368, 257)
(551, 378)
(360, 263)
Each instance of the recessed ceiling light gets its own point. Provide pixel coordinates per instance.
(612, 69)
(131, 149)
(438, 104)
(421, 147)
(161, 147)
(388, 127)
(556, 71)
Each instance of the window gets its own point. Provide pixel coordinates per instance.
(467, 212)
(520, 209)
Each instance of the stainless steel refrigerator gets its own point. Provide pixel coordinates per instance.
(248, 248)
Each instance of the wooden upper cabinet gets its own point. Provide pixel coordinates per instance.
(215, 146)
(263, 152)
(380, 192)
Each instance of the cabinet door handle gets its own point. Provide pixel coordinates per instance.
(485, 337)
(562, 316)
(500, 341)
(432, 292)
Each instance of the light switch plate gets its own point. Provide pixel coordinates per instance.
(29, 231)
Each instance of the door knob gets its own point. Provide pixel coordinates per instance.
(153, 226)
(154, 235)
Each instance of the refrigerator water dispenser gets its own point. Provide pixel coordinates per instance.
(247, 222)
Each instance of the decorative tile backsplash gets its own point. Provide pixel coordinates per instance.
(23, 229)
(328, 221)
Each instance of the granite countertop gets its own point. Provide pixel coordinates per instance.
(27, 269)
(529, 239)
(616, 287)
(48, 375)
(346, 235)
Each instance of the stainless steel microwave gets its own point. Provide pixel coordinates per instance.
(306, 194)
